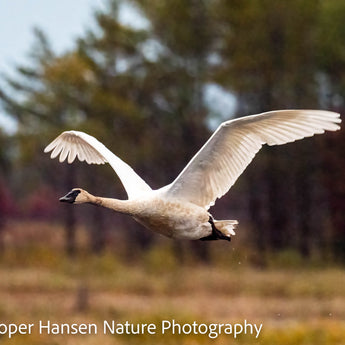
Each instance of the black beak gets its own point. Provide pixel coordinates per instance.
(70, 196)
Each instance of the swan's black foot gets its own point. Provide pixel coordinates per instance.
(216, 234)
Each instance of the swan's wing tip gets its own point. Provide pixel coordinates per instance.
(51, 146)
(47, 149)
(70, 145)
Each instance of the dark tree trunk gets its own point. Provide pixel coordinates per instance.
(98, 231)
(2, 227)
(256, 202)
(97, 223)
(338, 219)
(332, 148)
(69, 214)
(304, 217)
(277, 204)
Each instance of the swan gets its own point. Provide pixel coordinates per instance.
(180, 209)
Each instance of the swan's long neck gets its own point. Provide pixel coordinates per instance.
(122, 206)
(80, 196)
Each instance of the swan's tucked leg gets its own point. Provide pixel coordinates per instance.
(221, 230)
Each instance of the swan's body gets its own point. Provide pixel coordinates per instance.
(179, 210)
(171, 218)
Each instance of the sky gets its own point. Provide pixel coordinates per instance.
(62, 21)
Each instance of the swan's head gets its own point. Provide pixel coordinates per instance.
(76, 196)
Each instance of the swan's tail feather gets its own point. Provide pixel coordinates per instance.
(226, 227)
(221, 230)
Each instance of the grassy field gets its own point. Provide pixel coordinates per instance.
(296, 305)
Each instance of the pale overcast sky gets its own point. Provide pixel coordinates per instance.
(62, 21)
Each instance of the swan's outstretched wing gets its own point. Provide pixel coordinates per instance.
(72, 144)
(216, 167)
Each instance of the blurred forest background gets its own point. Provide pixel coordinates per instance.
(145, 93)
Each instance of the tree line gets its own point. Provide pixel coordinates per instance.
(142, 92)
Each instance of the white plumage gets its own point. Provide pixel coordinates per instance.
(210, 173)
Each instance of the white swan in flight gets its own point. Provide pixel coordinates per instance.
(180, 209)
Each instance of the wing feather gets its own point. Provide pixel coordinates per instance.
(71, 144)
(218, 164)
